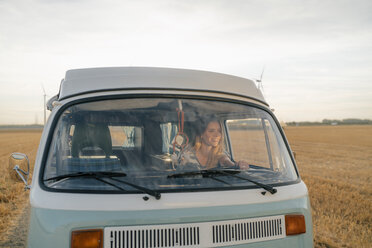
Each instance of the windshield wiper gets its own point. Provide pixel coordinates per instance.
(269, 188)
(99, 174)
(106, 174)
(224, 172)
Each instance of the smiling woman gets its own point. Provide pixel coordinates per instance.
(208, 151)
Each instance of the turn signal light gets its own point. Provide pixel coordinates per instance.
(295, 224)
(87, 239)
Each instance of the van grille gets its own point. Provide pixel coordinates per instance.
(204, 234)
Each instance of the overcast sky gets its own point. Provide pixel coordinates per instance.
(317, 55)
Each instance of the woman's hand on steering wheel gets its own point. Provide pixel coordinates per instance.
(242, 165)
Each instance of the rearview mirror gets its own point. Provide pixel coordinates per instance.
(19, 168)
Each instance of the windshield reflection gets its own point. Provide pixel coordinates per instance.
(149, 139)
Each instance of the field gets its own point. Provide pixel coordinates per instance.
(13, 197)
(334, 161)
(336, 164)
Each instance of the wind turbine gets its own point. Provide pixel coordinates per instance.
(259, 81)
(260, 85)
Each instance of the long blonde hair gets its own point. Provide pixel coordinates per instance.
(217, 151)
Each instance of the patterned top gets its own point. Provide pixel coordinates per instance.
(188, 160)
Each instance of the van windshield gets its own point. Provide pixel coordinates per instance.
(161, 144)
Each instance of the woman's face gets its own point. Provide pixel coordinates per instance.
(212, 134)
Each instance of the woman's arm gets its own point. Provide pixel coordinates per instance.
(225, 161)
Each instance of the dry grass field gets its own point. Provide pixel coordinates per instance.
(336, 164)
(334, 161)
(13, 197)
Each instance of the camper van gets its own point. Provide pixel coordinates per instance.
(129, 158)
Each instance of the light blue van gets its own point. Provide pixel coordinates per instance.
(108, 169)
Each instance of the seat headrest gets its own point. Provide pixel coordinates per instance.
(93, 136)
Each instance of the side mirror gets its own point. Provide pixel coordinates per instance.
(19, 168)
(294, 154)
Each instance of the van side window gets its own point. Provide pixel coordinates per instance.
(126, 136)
(254, 141)
(247, 138)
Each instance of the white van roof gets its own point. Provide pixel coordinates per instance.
(80, 81)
